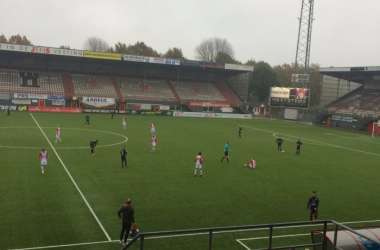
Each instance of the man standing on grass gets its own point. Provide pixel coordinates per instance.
(93, 144)
(226, 150)
(43, 156)
(123, 154)
(240, 129)
(88, 124)
(279, 144)
(299, 143)
(127, 216)
(58, 134)
(154, 142)
(9, 112)
(198, 164)
(313, 204)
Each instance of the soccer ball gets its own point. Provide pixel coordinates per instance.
(283, 151)
(245, 165)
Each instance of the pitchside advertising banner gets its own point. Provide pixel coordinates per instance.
(238, 67)
(160, 60)
(98, 102)
(14, 108)
(102, 55)
(134, 58)
(41, 50)
(289, 97)
(212, 115)
(54, 109)
(210, 104)
(29, 96)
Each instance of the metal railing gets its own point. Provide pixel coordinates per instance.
(210, 231)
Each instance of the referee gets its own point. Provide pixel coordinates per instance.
(123, 154)
(127, 215)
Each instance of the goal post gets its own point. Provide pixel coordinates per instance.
(375, 128)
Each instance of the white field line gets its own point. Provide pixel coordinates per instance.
(276, 236)
(183, 235)
(107, 145)
(244, 245)
(72, 179)
(352, 138)
(66, 245)
(323, 143)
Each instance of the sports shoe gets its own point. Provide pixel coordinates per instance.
(201, 175)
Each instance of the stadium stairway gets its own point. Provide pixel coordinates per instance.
(117, 89)
(68, 86)
(170, 85)
(228, 93)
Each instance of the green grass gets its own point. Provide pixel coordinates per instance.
(47, 210)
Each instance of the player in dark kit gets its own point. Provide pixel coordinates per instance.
(313, 205)
(123, 154)
(87, 117)
(240, 129)
(299, 143)
(9, 112)
(93, 144)
(279, 144)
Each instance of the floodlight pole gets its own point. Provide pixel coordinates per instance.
(304, 37)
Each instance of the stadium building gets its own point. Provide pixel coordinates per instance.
(350, 97)
(49, 79)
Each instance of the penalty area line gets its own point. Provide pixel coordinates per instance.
(72, 179)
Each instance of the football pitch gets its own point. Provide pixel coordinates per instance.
(74, 204)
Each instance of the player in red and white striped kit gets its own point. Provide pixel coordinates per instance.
(58, 134)
(43, 156)
(198, 164)
(153, 141)
(153, 128)
(251, 163)
(124, 123)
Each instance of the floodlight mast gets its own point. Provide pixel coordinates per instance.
(304, 37)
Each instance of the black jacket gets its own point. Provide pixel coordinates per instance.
(123, 153)
(127, 213)
(313, 203)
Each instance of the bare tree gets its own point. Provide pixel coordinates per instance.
(209, 49)
(96, 44)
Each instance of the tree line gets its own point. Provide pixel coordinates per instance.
(220, 50)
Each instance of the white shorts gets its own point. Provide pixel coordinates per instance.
(43, 162)
(153, 144)
(198, 166)
(153, 130)
(124, 123)
(250, 165)
(57, 136)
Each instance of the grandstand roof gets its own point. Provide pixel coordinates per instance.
(113, 58)
(355, 74)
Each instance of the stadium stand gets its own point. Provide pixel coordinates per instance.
(198, 91)
(138, 89)
(49, 83)
(93, 85)
(228, 93)
(366, 103)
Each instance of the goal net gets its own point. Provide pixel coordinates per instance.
(376, 129)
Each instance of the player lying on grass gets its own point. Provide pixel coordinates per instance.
(251, 163)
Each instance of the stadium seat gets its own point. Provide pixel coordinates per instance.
(197, 91)
(138, 89)
(49, 83)
(93, 86)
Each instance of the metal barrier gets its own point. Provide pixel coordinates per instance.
(210, 231)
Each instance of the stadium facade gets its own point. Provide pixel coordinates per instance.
(64, 80)
(350, 98)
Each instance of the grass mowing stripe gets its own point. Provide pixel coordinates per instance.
(66, 245)
(72, 179)
(323, 143)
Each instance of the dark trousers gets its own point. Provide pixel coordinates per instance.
(125, 230)
(123, 161)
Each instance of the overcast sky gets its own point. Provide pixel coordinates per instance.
(345, 32)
